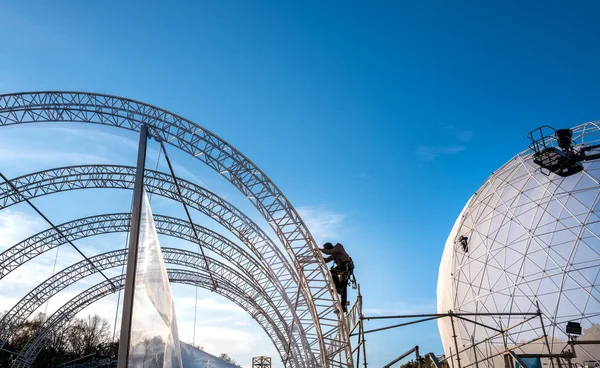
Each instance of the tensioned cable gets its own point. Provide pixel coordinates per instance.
(162, 145)
(155, 169)
(55, 228)
(119, 295)
(53, 273)
(195, 312)
(187, 212)
(122, 273)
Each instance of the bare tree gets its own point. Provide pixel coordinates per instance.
(65, 342)
(26, 330)
(228, 359)
(86, 334)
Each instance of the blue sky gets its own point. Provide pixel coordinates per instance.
(378, 120)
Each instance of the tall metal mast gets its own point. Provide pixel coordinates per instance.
(134, 234)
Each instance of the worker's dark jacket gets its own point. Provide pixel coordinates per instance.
(337, 253)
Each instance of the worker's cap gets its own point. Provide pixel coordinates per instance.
(328, 246)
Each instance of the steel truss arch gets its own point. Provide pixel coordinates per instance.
(102, 224)
(227, 215)
(228, 289)
(48, 239)
(272, 321)
(327, 331)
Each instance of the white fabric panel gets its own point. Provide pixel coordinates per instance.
(154, 337)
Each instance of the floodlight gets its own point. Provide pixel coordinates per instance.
(573, 328)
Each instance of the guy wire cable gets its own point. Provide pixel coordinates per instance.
(55, 228)
(53, 273)
(119, 294)
(187, 212)
(122, 273)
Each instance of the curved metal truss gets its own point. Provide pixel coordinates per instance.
(226, 288)
(281, 275)
(268, 317)
(22, 252)
(103, 224)
(46, 240)
(325, 331)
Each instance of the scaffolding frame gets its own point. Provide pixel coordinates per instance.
(465, 316)
(261, 362)
(298, 272)
(355, 320)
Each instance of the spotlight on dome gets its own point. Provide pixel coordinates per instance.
(573, 328)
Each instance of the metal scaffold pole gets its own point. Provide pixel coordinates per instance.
(474, 351)
(455, 342)
(362, 328)
(537, 304)
(134, 232)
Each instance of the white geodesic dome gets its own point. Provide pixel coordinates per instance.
(534, 238)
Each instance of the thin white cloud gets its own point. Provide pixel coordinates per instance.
(322, 223)
(26, 277)
(182, 172)
(450, 150)
(62, 146)
(19, 156)
(430, 153)
(206, 305)
(97, 135)
(463, 135)
(452, 134)
(16, 226)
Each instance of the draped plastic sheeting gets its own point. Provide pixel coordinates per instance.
(533, 237)
(195, 358)
(154, 338)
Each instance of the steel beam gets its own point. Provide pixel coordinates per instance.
(64, 278)
(122, 177)
(95, 293)
(132, 255)
(219, 155)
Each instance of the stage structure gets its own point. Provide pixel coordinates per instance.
(261, 362)
(529, 236)
(291, 297)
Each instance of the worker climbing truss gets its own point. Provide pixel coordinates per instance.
(292, 278)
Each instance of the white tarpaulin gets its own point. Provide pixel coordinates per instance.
(154, 337)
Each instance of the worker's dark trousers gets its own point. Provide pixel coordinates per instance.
(340, 286)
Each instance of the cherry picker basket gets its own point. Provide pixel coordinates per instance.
(554, 153)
